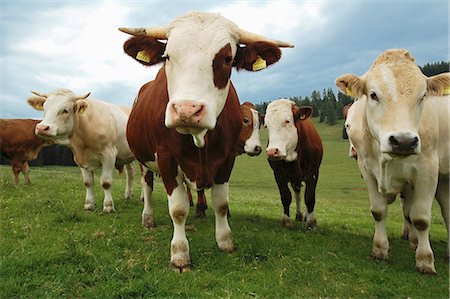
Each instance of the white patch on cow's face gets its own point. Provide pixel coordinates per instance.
(283, 136)
(394, 107)
(58, 116)
(254, 141)
(190, 51)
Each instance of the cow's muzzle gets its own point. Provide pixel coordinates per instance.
(42, 130)
(186, 114)
(404, 144)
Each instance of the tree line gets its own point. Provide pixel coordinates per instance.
(328, 107)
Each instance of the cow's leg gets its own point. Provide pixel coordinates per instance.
(443, 198)
(129, 174)
(310, 200)
(26, 172)
(201, 204)
(405, 228)
(406, 200)
(147, 188)
(286, 199)
(106, 182)
(179, 211)
(219, 197)
(298, 201)
(16, 168)
(378, 207)
(88, 178)
(420, 215)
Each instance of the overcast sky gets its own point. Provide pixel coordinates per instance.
(75, 44)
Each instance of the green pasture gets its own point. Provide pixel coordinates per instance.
(51, 248)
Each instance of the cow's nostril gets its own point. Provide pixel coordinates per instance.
(393, 141)
(199, 110)
(415, 142)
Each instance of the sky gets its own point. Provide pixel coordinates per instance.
(46, 45)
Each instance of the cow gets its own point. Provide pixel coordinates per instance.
(345, 111)
(248, 142)
(294, 152)
(19, 143)
(95, 132)
(403, 146)
(186, 122)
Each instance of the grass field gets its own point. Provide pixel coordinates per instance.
(51, 247)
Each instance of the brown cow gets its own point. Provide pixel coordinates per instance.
(185, 123)
(294, 152)
(19, 143)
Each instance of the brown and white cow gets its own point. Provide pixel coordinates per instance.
(294, 153)
(95, 132)
(19, 143)
(185, 123)
(248, 142)
(402, 145)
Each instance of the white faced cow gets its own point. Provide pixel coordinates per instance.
(185, 124)
(95, 132)
(400, 131)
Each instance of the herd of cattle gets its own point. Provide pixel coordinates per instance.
(188, 126)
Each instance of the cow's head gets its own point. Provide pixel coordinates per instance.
(60, 107)
(394, 89)
(200, 52)
(249, 135)
(282, 120)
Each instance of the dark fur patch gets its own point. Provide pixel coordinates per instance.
(222, 65)
(152, 48)
(246, 56)
(377, 216)
(106, 185)
(420, 224)
(178, 216)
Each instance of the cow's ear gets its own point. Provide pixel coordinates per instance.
(81, 106)
(438, 85)
(256, 56)
(37, 102)
(351, 85)
(302, 112)
(145, 49)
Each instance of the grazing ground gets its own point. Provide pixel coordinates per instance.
(51, 247)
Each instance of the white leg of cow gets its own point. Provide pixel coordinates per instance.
(179, 211)
(129, 174)
(88, 178)
(147, 190)
(378, 207)
(106, 182)
(219, 197)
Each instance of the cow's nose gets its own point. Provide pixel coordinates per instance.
(42, 129)
(403, 145)
(273, 153)
(258, 150)
(189, 113)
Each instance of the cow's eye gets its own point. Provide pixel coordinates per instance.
(246, 120)
(165, 57)
(373, 96)
(228, 60)
(287, 121)
(65, 111)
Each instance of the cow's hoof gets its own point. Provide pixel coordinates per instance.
(379, 254)
(147, 220)
(227, 246)
(426, 269)
(89, 206)
(311, 225)
(286, 221)
(180, 262)
(299, 217)
(109, 209)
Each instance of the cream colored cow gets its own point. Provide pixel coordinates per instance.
(95, 132)
(403, 145)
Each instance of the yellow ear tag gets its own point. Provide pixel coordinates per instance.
(447, 91)
(259, 64)
(348, 91)
(142, 56)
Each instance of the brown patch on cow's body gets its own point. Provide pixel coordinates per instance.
(106, 185)
(378, 216)
(420, 224)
